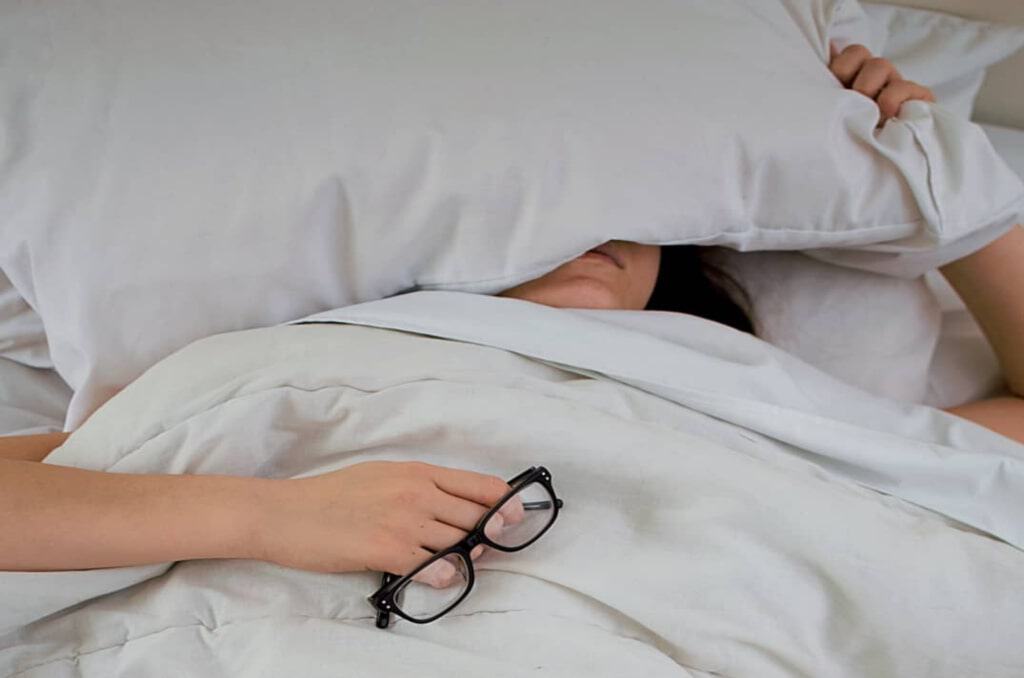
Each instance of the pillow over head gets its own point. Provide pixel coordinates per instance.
(22, 338)
(874, 331)
(180, 169)
(32, 400)
(947, 53)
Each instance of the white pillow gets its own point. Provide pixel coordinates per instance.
(887, 335)
(175, 170)
(873, 331)
(1009, 144)
(947, 53)
(32, 400)
(22, 338)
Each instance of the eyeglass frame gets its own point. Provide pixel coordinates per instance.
(383, 600)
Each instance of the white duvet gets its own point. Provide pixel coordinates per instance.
(719, 518)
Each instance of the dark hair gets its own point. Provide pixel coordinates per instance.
(689, 283)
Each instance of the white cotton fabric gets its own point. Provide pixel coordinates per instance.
(873, 331)
(22, 337)
(688, 545)
(33, 397)
(175, 170)
(714, 369)
(32, 400)
(964, 367)
(1009, 144)
(884, 334)
(946, 53)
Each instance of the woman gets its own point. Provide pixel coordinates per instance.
(384, 516)
(625, 275)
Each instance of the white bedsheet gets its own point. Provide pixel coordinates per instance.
(32, 400)
(688, 545)
(745, 381)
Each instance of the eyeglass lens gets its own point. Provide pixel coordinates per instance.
(438, 586)
(522, 516)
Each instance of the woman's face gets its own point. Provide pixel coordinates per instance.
(616, 275)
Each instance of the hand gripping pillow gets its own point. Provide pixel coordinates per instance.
(172, 170)
(947, 53)
(874, 331)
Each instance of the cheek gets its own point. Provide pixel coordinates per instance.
(578, 291)
(644, 278)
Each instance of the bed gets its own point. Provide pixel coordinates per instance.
(672, 487)
(664, 465)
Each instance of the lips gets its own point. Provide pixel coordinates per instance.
(610, 253)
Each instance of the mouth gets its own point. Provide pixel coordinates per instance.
(606, 252)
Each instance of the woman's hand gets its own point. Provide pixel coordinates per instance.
(875, 78)
(381, 516)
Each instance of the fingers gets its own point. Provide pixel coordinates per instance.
(446, 571)
(443, 572)
(465, 514)
(434, 537)
(440, 574)
(512, 511)
(858, 69)
(486, 490)
(438, 536)
(876, 78)
(847, 63)
(405, 560)
(494, 527)
(893, 96)
(874, 75)
(458, 512)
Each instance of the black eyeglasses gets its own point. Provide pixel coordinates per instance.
(422, 603)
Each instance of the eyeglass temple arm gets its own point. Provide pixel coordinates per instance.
(540, 505)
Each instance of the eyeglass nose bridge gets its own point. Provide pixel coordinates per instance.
(474, 539)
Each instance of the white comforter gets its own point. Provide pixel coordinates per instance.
(722, 527)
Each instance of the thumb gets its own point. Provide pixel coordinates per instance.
(495, 526)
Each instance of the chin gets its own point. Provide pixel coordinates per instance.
(580, 293)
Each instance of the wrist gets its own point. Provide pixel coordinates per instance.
(244, 516)
(226, 518)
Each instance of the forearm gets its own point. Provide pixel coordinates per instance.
(30, 448)
(1002, 415)
(62, 518)
(991, 284)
